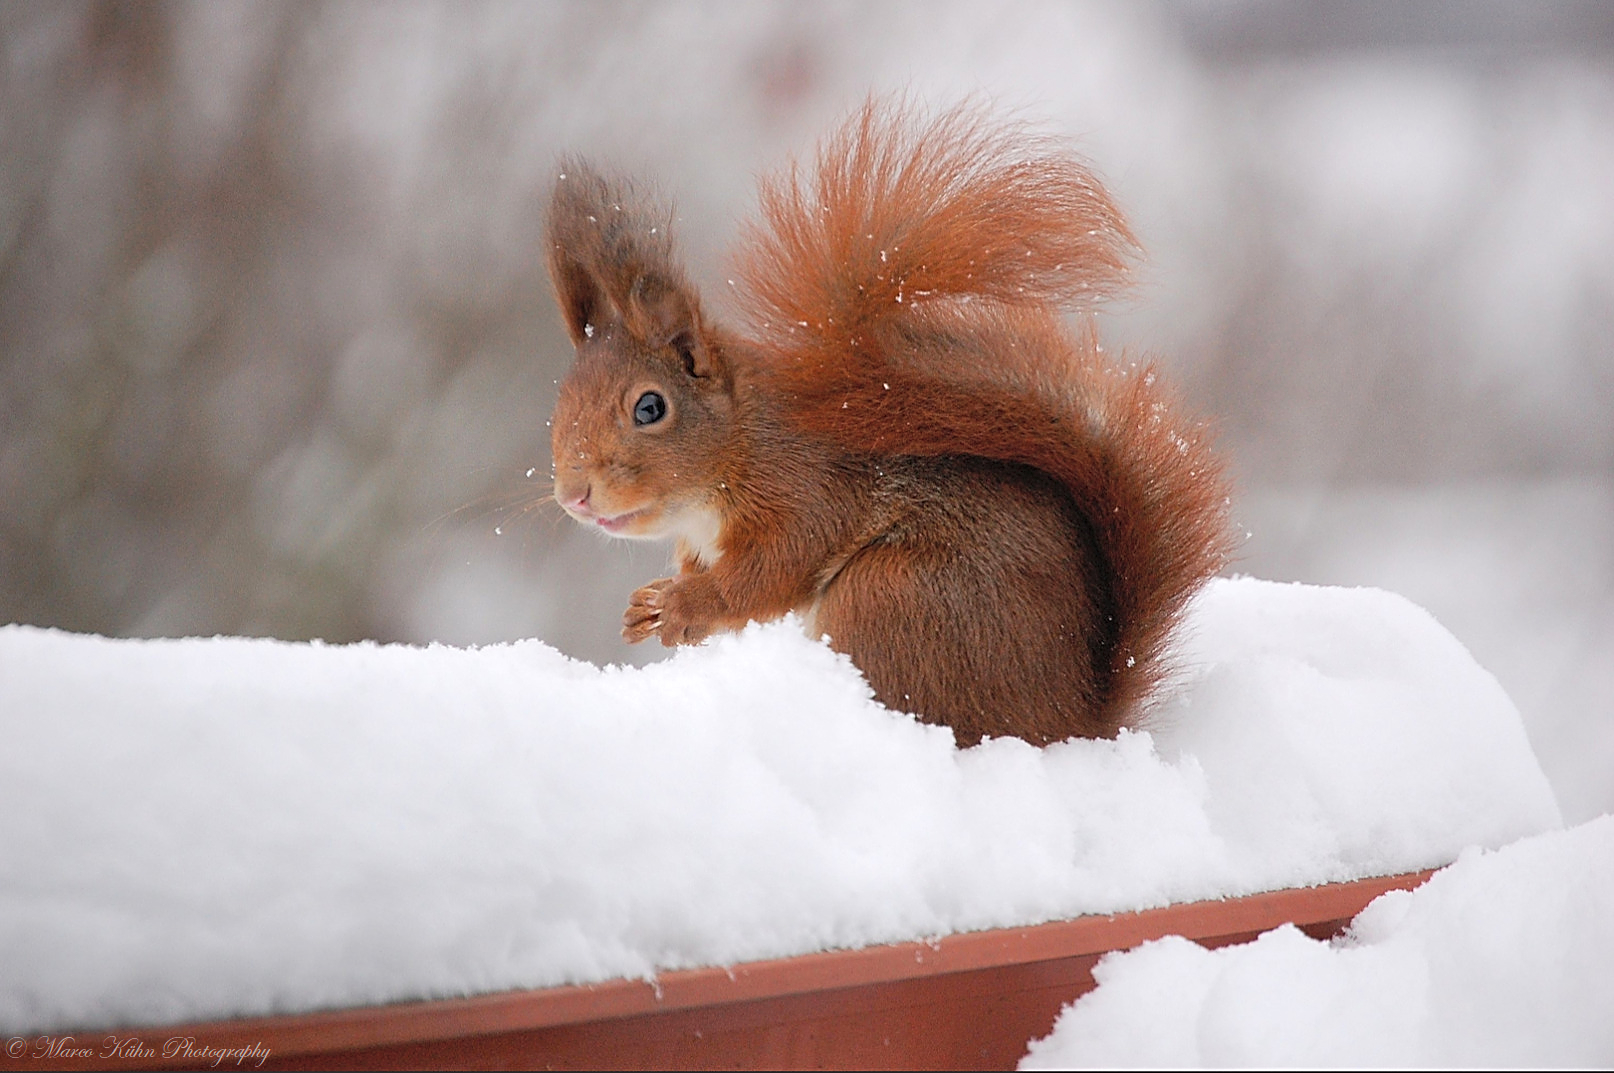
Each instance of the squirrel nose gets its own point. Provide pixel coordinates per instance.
(579, 503)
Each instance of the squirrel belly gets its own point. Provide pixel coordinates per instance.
(906, 442)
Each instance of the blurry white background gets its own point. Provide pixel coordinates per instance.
(277, 345)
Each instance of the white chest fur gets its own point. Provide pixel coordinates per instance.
(697, 530)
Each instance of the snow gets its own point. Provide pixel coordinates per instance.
(196, 829)
(1488, 558)
(1500, 960)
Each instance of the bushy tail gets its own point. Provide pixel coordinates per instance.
(906, 302)
(901, 212)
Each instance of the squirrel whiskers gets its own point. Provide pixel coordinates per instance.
(907, 445)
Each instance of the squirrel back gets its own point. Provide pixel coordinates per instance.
(904, 301)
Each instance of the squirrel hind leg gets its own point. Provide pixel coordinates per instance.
(989, 636)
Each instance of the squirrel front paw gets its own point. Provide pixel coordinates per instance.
(643, 616)
(669, 609)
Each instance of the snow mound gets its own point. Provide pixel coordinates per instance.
(1500, 960)
(196, 829)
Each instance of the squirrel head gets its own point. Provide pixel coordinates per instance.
(643, 419)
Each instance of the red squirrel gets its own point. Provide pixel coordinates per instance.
(905, 443)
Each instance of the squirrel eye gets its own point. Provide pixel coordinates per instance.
(650, 408)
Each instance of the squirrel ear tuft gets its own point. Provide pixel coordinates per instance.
(576, 240)
(611, 257)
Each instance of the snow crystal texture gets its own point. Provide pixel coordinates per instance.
(198, 829)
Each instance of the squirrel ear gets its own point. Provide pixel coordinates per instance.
(583, 303)
(665, 313)
(611, 256)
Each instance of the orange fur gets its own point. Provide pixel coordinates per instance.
(908, 445)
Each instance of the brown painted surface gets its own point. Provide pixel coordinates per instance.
(968, 1001)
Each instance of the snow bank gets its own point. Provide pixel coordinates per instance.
(1500, 960)
(206, 828)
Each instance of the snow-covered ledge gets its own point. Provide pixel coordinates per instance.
(216, 828)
